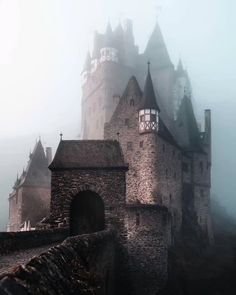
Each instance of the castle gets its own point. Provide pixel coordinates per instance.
(153, 120)
(143, 166)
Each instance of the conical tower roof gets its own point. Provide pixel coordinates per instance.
(188, 134)
(109, 36)
(156, 49)
(36, 173)
(149, 97)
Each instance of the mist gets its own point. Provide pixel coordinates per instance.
(43, 47)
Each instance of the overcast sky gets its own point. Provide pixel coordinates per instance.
(43, 44)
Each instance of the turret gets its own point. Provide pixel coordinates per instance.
(156, 50)
(108, 52)
(149, 110)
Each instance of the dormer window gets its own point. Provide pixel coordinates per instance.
(109, 54)
(148, 120)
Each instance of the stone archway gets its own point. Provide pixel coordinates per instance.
(87, 214)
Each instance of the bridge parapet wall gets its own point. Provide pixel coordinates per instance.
(14, 241)
(80, 265)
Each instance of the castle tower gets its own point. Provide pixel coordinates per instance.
(104, 80)
(196, 167)
(162, 69)
(114, 60)
(30, 198)
(182, 86)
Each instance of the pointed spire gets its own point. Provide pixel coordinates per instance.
(109, 36)
(187, 127)
(180, 67)
(119, 30)
(87, 63)
(156, 49)
(108, 29)
(149, 97)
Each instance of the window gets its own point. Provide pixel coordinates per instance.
(208, 165)
(185, 167)
(166, 173)
(137, 219)
(201, 167)
(202, 193)
(170, 197)
(141, 144)
(127, 122)
(131, 102)
(129, 146)
(142, 118)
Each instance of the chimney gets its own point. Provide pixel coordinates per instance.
(49, 154)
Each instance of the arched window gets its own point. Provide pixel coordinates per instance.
(131, 102)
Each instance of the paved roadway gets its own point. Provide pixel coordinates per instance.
(8, 262)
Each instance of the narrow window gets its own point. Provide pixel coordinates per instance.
(166, 173)
(185, 167)
(141, 144)
(131, 102)
(137, 219)
(201, 167)
(129, 146)
(170, 197)
(202, 193)
(127, 122)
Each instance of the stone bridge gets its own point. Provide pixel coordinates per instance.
(83, 264)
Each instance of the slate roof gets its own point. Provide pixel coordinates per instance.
(156, 50)
(88, 154)
(133, 88)
(149, 97)
(187, 132)
(36, 173)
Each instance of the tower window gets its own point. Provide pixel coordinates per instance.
(127, 122)
(166, 173)
(185, 167)
(201, 167)
(202, 193)
(132, 102)
(129, 146)
(141, 144)
(170, 197)
(137, 219)
(208, 165)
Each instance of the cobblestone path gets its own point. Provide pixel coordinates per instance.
(9, 262)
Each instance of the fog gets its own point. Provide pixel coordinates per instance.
(42, 50)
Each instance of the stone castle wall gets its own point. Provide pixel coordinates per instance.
(28, 203)
(80, 265)
(16, 241)
(148, 236)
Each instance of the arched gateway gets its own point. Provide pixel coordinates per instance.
(88, 186)
(87, 213)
